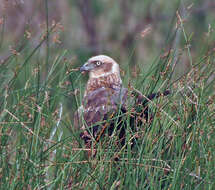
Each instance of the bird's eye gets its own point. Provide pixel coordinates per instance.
(98, 63)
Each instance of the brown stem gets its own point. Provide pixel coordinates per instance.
(85, 8)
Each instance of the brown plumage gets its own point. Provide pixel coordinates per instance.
(105, 99)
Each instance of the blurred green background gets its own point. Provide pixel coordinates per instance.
(89, 27)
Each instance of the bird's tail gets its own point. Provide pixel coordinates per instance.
(156, 95)
(142, 99)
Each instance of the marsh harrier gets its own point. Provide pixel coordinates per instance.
(107, 105)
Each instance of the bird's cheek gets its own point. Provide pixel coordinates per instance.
(98, 72)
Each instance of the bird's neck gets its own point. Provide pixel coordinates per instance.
(108, 81)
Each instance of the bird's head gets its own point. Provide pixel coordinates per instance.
(101, 66)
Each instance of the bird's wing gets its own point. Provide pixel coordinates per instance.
(98, 105)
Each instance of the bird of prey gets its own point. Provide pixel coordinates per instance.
(106, 104)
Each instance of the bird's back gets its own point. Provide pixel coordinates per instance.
(99, 104)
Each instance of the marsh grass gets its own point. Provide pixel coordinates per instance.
(40, 149)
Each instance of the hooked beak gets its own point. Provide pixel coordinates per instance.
(87, 67)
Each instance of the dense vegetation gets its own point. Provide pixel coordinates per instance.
(41, 87)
